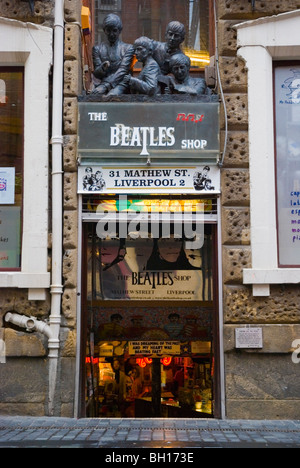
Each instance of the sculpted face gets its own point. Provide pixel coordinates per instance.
(141, 53)
(112, 33)
(180, 72)
(173, 38)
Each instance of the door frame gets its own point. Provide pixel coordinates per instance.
(218, 344)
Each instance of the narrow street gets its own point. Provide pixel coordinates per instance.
(163, 440)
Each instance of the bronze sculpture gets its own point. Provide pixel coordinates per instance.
(166, 69)
(112, 59)
(147, 81)
(181, 82)
(163, 51)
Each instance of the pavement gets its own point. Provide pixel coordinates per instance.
(154, 436)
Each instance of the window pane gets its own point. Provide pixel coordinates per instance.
(287, 106)
(149, 268)
(11, 165)
(150, 18)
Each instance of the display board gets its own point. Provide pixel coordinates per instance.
(7, 185)
(146, 268)
(287, 106)
(10, 226)
(131, 133)
(118, 180)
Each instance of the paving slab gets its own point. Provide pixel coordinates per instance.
(148, 434)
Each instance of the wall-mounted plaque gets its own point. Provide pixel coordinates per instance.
(248, 337)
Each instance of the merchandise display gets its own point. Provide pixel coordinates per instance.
(150, 316)
(125, 386)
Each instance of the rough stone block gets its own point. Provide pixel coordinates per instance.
(73, 10)
(70, 191)
(17, 300)
(235, 187)
(19, 10)
(243, 9)
(70, 234)
(237, 111)
(69, 344)
(69, 305)
(70, 153)
(235, 259)
(236, 226)
(20, 344)
(70, 268)
(72, 42)
(282, 306)
(233, 75)
(72, 78)
(227, 36)
(237, 149)
(70, 116)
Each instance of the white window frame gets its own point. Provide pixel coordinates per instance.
(30, 46)
(260, 43)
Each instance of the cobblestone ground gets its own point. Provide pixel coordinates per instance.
(167, 434)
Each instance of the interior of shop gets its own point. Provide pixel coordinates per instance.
(149, 320)
(143, 386)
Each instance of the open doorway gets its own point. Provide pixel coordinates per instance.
(150, 387)
(150, 327)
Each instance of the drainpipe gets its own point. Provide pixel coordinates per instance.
(57, 200)
(30, 323)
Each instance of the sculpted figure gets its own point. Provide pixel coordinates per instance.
(112, 59)
(147, 80)
(163, 51)
(181, 82)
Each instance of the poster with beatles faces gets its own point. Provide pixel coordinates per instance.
(146, 268)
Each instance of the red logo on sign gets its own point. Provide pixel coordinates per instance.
(190, 117)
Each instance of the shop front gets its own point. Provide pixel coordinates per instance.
(150, 308)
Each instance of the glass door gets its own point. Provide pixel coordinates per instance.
(128, 386)
(150, 326)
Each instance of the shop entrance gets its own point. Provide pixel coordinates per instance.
(150, 387)
(150, 328)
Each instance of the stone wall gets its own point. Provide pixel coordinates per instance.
(261, 384)
(24, 377)
(20, 10)
(72, 89)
